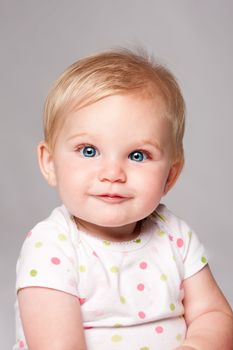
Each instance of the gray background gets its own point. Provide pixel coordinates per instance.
(38, 39)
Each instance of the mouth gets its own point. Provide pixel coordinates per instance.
(112, 197)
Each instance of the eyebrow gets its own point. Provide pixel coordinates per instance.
(77, 135)
(151, 143)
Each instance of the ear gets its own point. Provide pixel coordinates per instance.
(46, 164)
(173, 175)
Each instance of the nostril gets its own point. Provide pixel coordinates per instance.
(112, 174)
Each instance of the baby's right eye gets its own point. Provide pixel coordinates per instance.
(88, 151)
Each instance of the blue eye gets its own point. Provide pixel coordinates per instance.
(88, 151)
(137, 156)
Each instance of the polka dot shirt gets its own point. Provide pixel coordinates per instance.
(130, 292)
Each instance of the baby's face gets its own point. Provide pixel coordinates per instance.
(112, 160)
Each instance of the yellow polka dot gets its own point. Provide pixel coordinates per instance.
(190, 234)
(117, 325)
(114, 269)
(38, 244)
(161, 233)
(62, 237)
(122, 300)
(137, 240)
(179, 337)
(116, 338)
(172, 307)
(163, 277)
(107, 243)
(203, 259)
(82, 268)
(33, 273)
(144, 348)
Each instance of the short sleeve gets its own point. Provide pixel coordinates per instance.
(194, 255)
(184, 240)
(48, 259)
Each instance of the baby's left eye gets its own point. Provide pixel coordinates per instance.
(88, 151)
(138, 156)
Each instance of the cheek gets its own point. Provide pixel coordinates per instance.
(152, 180)
(73, 181)
(69, 171)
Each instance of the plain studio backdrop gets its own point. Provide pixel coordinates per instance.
(39, 39)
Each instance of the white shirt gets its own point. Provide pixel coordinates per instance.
(130, 292)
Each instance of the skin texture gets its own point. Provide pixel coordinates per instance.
(114, 127)
(130, 169)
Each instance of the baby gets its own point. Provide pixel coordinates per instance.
(113, 268)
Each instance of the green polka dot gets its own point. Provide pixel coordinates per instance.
(161, 233)
(163, 277)
(117, 325)
(82, 268)
(203, 259)
(179, 337)
(172, 307)
(122, 300)
(62, 237)
(107, 243)
(116, 338)
(33, 273)
(190, 234)
(114, 269)
(38, 244)
(144, 348)
(137, 240)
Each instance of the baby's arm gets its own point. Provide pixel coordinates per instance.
(51, 319)
(208, 315)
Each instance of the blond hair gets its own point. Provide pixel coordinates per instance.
(114, 72)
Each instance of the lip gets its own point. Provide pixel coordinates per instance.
(112, 197)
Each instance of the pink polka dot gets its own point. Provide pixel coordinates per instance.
(170, 237)
(159, 330)
(21, 344)
(180, 242)
(82, 300)
(143, 265)
(29, 234)
(55, 261)
(140, 286)
(141, 314)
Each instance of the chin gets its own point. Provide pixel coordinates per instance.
(108, 223)
(112, 222)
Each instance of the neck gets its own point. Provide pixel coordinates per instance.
(115, 234)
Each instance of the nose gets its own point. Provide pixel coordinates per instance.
(112, 172)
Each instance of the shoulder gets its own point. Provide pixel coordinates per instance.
(56, 235)
(58, 219)
(59, 225)
(171, 223)
(48, 257)
(183, 239)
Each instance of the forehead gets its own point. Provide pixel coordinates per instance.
(118, 115)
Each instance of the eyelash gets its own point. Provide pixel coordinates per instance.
(81, 147)
(144, 153)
